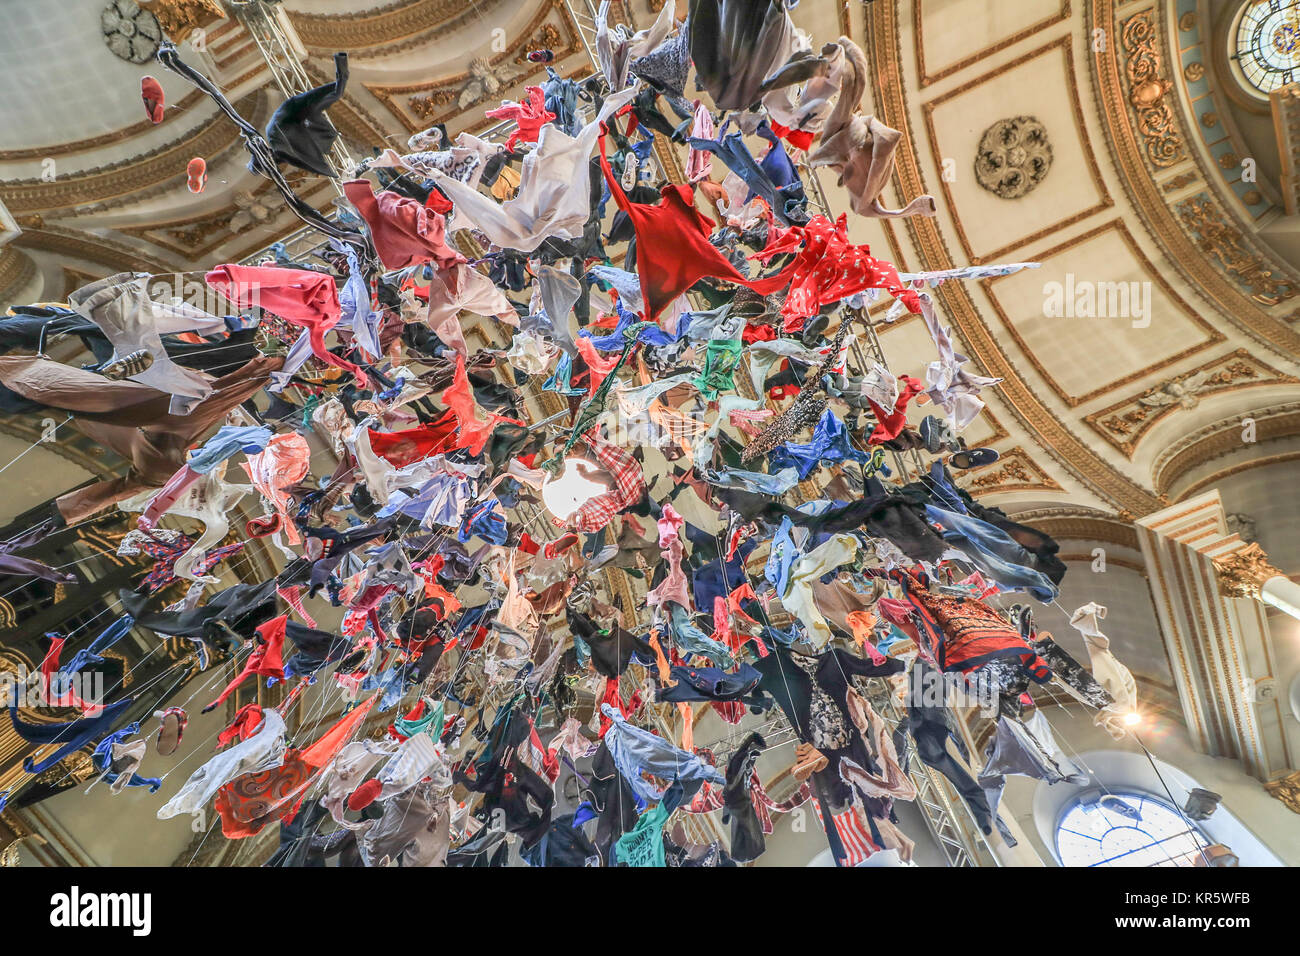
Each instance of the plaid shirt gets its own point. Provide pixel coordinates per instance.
(629, 486)
(165, 552)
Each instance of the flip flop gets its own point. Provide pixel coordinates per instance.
(172, 730)
(973, 458)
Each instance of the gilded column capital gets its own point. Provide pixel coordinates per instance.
(1287, 789)
(1243, 573)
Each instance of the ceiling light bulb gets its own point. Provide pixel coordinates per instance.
(1133, 719)
(572, 489)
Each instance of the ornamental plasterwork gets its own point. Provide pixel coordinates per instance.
(1225, 243)
(1014, 156)
(1126, 422)
(1146, 92)
(1242, 573)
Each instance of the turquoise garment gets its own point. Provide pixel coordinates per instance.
(431, 722)
(721, 359)
(643, 845)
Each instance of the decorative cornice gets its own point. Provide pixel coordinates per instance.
(16, 270)
(1145, 194)
(192, 99)
(1220, 439)
(129, 176)
(178, 18)
(1073, 455)
(117, 257)
(385, 30)
(1125, 423)
(1066, 524)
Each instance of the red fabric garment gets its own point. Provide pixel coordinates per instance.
(827, 268)
(473, 433)
(332, 741)
(405, 233)
(308, 300)
(731, 711)
(798, 138)
(415, 713)
(250, 801)
(412, 444)
(247, 719)
(293, 597)
(69, 698)
(267, 659)
(597, 366)
(673, 248)
(530, 116)
(889, 424)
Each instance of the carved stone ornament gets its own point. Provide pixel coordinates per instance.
(1243, 573)
(1014, 157)
(131, 33)
(179, 18)
(1287, 789)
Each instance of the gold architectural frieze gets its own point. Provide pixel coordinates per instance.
(1126, 423)
(1014, 470)
(1162, 143)
(418, 105)
(1175, 183)
(881, 42)
(129, 176)
(388, 29)
(1242, 573)
(1061, 46)
(918, 29)
(1212, 336)
(1223, 242)
(1131, 166)
(1286, 789)
(179, 18)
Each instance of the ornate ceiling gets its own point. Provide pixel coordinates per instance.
(1102, 138)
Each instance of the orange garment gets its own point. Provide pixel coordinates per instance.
(473, 433)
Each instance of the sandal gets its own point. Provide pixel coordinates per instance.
(172, 730)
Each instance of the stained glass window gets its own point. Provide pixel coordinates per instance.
(1124, 828)
(1267, 44)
